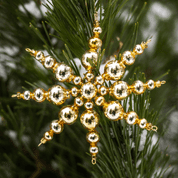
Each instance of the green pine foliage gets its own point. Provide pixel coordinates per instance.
(124, 151)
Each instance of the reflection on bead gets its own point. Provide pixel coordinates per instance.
(68, 115)
(39, 56)
(99, 80)
(92, 137)
(128, 58)
(89, 119)
(131, 117)
(39, 95)
(150, 84)
(63, 72)
(78, 101)
(89, 105)
(26, 95)
(94, 150)
(99, 100)
(138, 49)
(89, 56)
(56, 95)
(49, 62)
(56, 127)
(120, 90)
(114, 70)
(48, 136)
(88, 90)
(114, 111)
(143, 123)
(77, 80)
(138, 87)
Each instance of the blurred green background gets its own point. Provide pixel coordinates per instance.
(23, 123)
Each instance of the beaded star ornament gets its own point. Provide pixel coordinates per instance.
(91, 90)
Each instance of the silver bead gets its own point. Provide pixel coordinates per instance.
(99, 80)
(89, 105)
(131, 117)
(88, 91)
(63, 72)
(68, 115)
(56, 127)
(143, 123)
(89, 76)
(128, 58)
(48, 136)
(97, 30)
(74, 91)
(56, 95)
(150, 84)
(100, 100)
(103, 90)
(92, 137)
(26, 95)
(138, 49)
(39, 55)
(138, 87)
(78, 102)
(49, 62)
(94, 150)
(39, 95)
(77, 80)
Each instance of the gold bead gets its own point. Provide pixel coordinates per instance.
(95, 43)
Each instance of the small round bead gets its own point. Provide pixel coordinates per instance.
(131, 117)
(48, 135)
(99, 100)
(97, 30)
(74, 91)
(99, 80)
(56, 127)
(39, 95)
(143, 123)
(138, 87)
(68, 115)
(150, 84)
(92, 137)
(89, 76)
(128, 58)
(77, 80)
(89, 105)
(78, 102)
(95, 43)
(138, 49)
(39, 55)
(103, 90)
(49, 62)
(26, 95)
(63, 72)
(94, 150)
(88, 90)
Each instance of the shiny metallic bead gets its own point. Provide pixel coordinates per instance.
(89, 105)
(74, 91)
(88, 90)
(128, 58)
(26, 95)
(138, 49)
(89, 119)
(143, 123)
(99, 80)
(99, 100)
(57, 95)
(131, 117)
(39, 95)
(150, 84)
(49, 62)
(138, 87)
(97, 30)
(114, 70)
(120, 90)
(92, 137)
(56, 127)
(39, 56)
(95, 43)
(103, 90)
(89, 58)
(48, 135)
(89, 76)
(94, 150)
(63, 72)
(68, 115)
(77, 80)
(113, 111)
(78, 102)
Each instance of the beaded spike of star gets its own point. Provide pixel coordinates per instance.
(92, 91)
